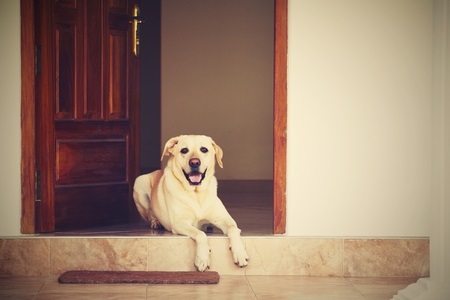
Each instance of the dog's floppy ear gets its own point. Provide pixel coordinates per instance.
(219, 154)
(168, 148)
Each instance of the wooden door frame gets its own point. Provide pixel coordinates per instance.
(28, 116)
(280, 117)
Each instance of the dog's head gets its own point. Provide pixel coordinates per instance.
(193, 157)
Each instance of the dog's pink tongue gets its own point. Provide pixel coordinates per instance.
(195, 178)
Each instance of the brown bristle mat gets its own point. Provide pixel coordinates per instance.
(153, 277)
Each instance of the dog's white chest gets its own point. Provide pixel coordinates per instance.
(199, 205)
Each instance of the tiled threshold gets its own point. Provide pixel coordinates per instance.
(269, 255)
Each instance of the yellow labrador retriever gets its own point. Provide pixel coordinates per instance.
(183, 197)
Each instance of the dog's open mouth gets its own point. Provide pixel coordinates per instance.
(195, 177)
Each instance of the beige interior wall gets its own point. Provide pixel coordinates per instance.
(360, 117)
(10, 199)
(217, 70)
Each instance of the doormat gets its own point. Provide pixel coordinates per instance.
(152, 277)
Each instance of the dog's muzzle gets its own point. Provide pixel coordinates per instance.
(195, 177)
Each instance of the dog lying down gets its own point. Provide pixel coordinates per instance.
(183, 197)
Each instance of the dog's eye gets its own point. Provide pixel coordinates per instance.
(204, 150)
(184, 150)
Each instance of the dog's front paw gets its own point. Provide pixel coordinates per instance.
(202, 259)
(239, 253)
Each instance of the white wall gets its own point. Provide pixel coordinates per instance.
(359, 121)
(217, 66)
(10, 117)
(359, 136)
(440, 206)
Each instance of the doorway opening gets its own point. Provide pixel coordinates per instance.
(213, 65)
(229, 185)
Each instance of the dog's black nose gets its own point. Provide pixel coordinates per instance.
(194, 163)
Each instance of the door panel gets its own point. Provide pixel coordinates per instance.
(117, 108)
(92, 79)
(93, 109)
(67, 49)
(90, 161)
(73, 207)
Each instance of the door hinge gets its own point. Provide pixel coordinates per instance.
(37, 186)
(37, 59)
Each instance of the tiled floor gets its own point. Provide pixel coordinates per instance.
(229, 287)
(254, 214)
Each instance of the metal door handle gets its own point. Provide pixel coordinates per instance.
(135, 21)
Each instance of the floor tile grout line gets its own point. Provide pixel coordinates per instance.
(251, 287)
(342, 257)
(42, 286)
(352, 285)
(148, 255)
(147, 266)
(49, 257)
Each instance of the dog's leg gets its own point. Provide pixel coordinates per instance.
(202, 256)
(141, 195)
(229, 227)
(240, 256)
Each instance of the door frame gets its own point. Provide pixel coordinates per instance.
(28, 116)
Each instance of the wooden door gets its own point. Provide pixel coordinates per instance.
(87, 92)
